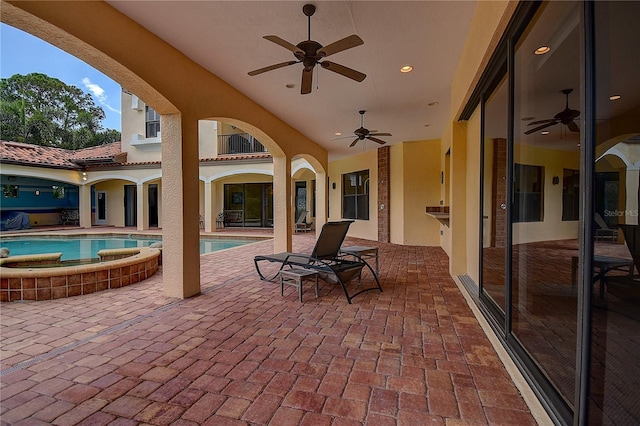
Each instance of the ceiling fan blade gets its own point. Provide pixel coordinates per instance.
(284, 43)
(272, 67)
(380, 134)
(342, 137)
(342, 70)
(355, 141)
(548, 120)
(376, 140)
(573, 126)
(307, 82)
(340, 45)
(544, 126)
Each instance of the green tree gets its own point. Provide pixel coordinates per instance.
(42, 110)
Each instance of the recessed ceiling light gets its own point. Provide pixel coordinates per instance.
(406, 68)
(544, 132)
(542, 50)
(427, 125)
(527, 118)
(338, 134)
(614, 97)
(432, 103)
(290, 86)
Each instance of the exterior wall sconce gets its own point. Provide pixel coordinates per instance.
(333, 185)
(84, 175)
(555, 180)
(37, 192)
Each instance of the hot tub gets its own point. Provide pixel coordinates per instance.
(45, 277)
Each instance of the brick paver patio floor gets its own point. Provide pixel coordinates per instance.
(240, 353)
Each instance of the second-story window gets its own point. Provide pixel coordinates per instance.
(152, 122)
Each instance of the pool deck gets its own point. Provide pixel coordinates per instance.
(241, 354)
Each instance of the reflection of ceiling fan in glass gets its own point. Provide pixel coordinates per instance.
(565, 117)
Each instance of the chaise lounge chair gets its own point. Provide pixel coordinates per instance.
(325, 259)
(603, 230)
(628, 285)
(301, 223)
(632, 239)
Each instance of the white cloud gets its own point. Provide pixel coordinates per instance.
(99, 93)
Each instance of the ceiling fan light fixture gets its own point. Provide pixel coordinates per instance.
(406, 68)
(338, 133)
(614, 97)
(542, 50)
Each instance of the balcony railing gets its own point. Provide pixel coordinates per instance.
(239, 143)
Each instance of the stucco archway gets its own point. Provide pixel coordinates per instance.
(157, 73)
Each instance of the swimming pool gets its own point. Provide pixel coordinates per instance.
(84, 247)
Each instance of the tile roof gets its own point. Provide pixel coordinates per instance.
(44, 156)
(107, 155)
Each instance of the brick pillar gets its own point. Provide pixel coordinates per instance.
(384, 189)
(499, 235)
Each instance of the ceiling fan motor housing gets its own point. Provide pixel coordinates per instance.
(310, 57)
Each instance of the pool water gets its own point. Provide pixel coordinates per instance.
(88, 247)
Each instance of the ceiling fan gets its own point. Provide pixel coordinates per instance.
(362, 133)
(311, 52)
(565, 117)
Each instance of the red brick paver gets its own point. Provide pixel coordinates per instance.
(240, 353)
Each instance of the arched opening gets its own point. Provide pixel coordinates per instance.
(142, 69)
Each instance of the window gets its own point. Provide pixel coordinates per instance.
(58, 192)
(527, 193)
(152, 120)
(355, 195)
(570, 194)
(10, 191)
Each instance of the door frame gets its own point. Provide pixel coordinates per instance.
(101, 214)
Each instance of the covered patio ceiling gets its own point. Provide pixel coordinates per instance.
(226, 38)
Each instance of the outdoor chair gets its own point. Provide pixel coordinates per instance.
(603, 230)
(220, 220)
(325, 259)
(301, 223)
(627, 285)
(632, 239)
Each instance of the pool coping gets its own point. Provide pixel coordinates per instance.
(140, 235)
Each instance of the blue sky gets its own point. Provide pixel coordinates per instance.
(21, 53)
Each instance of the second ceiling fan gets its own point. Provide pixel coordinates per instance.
(310, 53)
(362, 133)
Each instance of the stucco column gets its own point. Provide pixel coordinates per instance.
(282, 204)
(180, 191)
(84, 200)
(208, 207)
(458, 200)
(142, 208)
(321, 201)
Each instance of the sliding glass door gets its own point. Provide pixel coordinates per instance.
(248, 205)
(560, 188)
